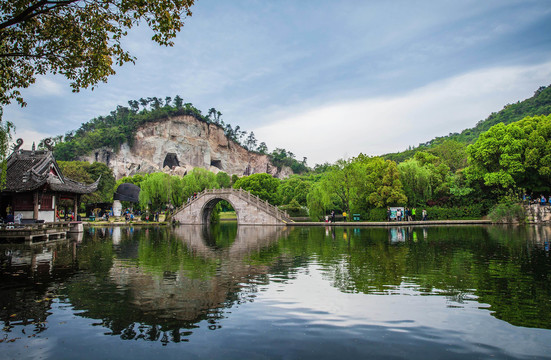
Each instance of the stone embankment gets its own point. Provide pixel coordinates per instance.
(538, 214)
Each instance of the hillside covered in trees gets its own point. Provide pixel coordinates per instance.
(121, 124)
(538, 104)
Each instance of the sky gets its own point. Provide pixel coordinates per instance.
(323, 79)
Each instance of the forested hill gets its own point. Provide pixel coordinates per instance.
(539, 104)
(121, 124)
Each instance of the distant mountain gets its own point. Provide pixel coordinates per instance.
(539, 104)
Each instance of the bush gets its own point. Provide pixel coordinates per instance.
(294, 209)
(378, 214)
(507, 213)
(475, 211)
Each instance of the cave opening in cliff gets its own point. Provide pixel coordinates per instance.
(216, 164)
(171, 160)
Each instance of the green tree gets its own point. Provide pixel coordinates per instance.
(155, 191)
(262, 185)
(5, 138)
(415, 182)
(511, 157)
(295, 188)
(198, 180)
(81, 39)
(106, 184)
(223, 180)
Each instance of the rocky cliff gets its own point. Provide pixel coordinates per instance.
(177, 145)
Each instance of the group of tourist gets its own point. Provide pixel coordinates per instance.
(542, 200)
(405, 215)
(192, 197)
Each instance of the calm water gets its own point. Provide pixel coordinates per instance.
(266, 292)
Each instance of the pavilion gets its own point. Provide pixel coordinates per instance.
(35, 185)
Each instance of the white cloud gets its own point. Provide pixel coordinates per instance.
(376, 126)
(46, 86)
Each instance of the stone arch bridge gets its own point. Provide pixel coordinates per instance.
(249, 208)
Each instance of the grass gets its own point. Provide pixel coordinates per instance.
(228, 215)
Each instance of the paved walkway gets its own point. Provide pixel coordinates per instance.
(395, 223)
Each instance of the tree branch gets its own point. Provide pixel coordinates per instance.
(34, 11)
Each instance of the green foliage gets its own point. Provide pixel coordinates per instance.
(196, 181)
(282, 157)
(377, 214)
(508, 157)
(507, 213)
(84, 172)
(424, 178)
(294, 209)
(319, 201)
(6, 129)
(262, 185)
(223, 180)
(475, 211)
(155, 191)
(83, 40)
(295, 188)
(356, 185)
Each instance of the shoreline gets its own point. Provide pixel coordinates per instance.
(305, 223)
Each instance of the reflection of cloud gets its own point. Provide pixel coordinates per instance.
(379, 125)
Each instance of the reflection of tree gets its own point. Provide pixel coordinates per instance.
(27, 275)
(497, 265)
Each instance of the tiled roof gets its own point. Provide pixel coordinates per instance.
(30, 170)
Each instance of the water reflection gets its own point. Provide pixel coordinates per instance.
(167, 284)
(161, 281)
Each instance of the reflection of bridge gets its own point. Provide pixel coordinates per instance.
(250, 209)
(188, 294)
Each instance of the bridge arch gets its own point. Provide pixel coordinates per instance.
(250, 209)
(208, 207)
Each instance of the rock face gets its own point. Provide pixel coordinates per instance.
(179, 144)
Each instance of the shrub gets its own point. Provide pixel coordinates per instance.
(507, 213)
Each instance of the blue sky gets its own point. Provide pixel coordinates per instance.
(324, 79)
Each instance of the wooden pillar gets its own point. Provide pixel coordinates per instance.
(54, 199)
(75, 207)
(35, 205)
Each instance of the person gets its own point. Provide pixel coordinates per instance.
(388, 214)
(332, 216)
(399, 215)
(413, 214)
(543, 200)
(424, 215)
(344, 215)
(326, 218)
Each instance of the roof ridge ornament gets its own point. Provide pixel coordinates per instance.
(48, 144)
(17, 145)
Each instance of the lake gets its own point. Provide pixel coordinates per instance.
(257, 292)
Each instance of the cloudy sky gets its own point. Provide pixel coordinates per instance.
(325, 79)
